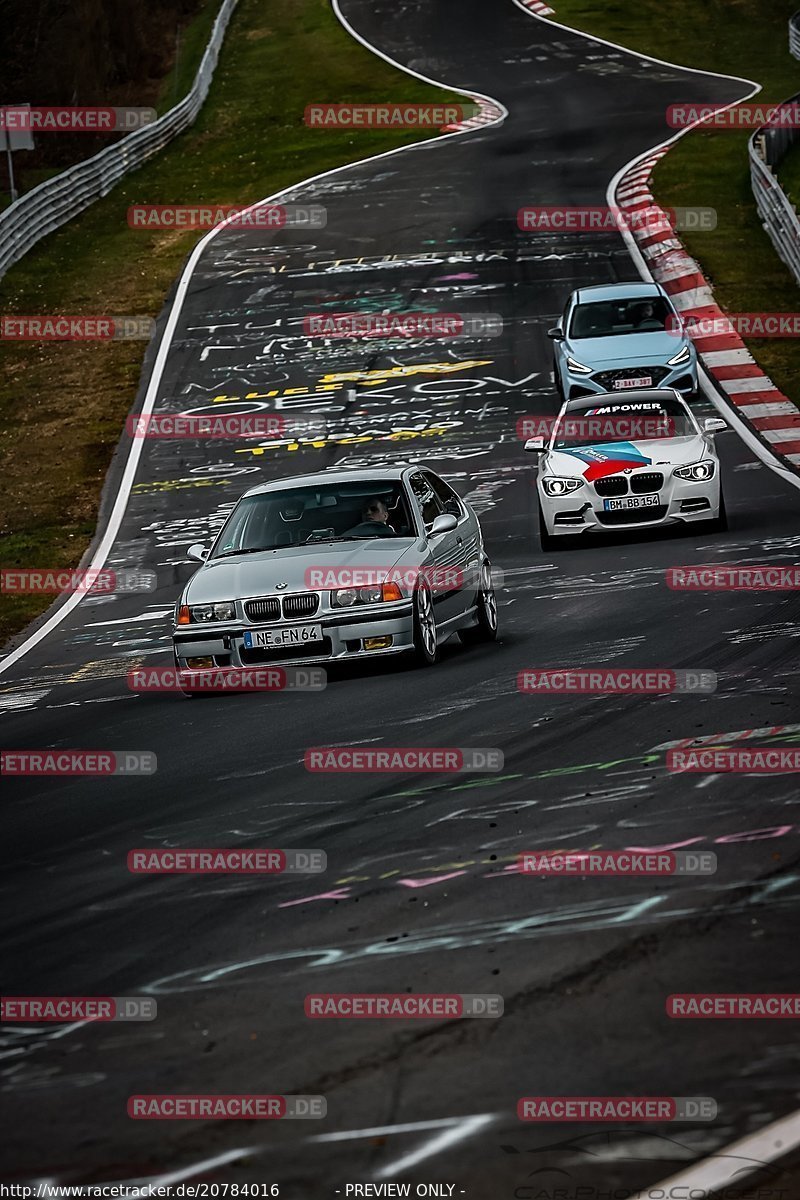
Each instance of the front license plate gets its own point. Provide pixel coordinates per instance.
(642, 381)
(631, 502)
(292, 635)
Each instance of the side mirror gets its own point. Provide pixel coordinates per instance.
(442, 524)
(714, 425)
(556, 333)
(534, 445)
(198, 552)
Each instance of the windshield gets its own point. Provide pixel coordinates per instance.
(335, 512)
(609, 318)
(635, 420)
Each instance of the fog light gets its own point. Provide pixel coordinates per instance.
(379, 643)
(199, 664)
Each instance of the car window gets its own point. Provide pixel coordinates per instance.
(587, 422)
(610, 318)
(447, 497)
(297, 516)
(426, 498)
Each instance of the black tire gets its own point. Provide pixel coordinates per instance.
(718, 524)
(548, 543)
(557, 382)
(426, 648)
(485, 627)
(721, 523)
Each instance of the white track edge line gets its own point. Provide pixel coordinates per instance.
(772, 1142)
(663, 62)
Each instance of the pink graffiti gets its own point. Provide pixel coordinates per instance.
(515, 868)
(427, 880)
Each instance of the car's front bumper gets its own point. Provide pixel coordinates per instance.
(682, 378)
(343, 635)
(679, 501)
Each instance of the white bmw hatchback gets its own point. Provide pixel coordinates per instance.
(633, 462)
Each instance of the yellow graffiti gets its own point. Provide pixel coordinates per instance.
(319, 389)
(399, 435)
(444, 368)
(499, 861)
(172, 485)
(336, 381)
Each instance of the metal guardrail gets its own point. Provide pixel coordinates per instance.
(778, 215)
(794, 35)
(57, 200)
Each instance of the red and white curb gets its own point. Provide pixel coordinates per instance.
(766, 420)
(488, 113)
(537, 6)
(773, 417)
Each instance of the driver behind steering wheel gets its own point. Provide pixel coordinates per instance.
(374, 521)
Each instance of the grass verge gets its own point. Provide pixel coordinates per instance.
(733, 37)
(63, 405)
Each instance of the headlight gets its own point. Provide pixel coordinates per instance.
(577, 368)
(224, 611)
(344, 597)
(683, 356)
(370, 595)
(697, 472)
(377, 594)
(560, 487)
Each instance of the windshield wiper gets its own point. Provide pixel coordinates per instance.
(366, 537)
(249, 550)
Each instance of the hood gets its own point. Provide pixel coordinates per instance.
(258, 574)
(626, 349)
(594, 462)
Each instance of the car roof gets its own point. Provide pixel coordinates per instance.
(334, 475)
(617, 291)
(628, 396)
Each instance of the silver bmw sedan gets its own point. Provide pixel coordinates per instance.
(339, 565)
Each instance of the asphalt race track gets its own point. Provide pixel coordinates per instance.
(420, 892)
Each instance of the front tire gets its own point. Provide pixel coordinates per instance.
(548, 543)
(557, 381)
(718, 524)
(426, 647)
(721, 523)
(485, 627)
